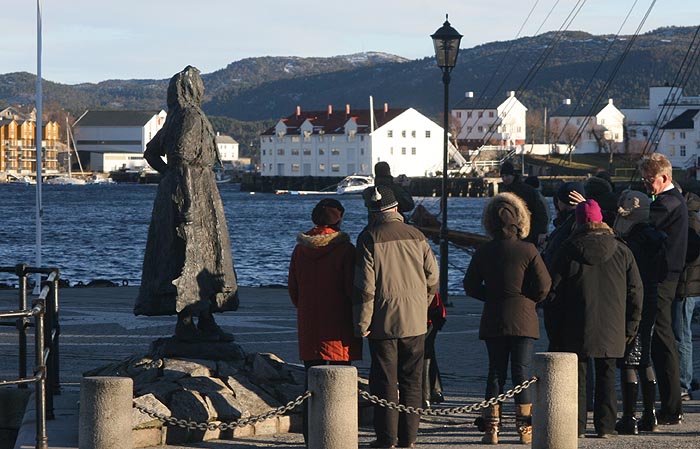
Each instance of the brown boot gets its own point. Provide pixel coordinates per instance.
(491, 421)
(523, 422)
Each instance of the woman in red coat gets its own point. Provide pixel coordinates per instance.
(320, 286)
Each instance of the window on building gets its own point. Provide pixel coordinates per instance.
(390, 133)
(413, 151)
(321, 151)
(645, 133)
(295, 168)
(602, 121)
(295, 151)
(413, 134)
(263, 151)
(335, 168)
(335, 152)
(321, 167)
(682, 148)
(672, 135)
(469, 129)
(307, 151)
(672, 150)
(362, 138)
(295, 138)
(520, 129)
(391, 151)
(332, 138)
(480, 129)
(458, 114)
(280, 152)
(682, 134)
(403, 151)
(362, 151)
(427, 134)
(491, 114)
(633, 133)
(481, 114)
(363, 167)
(403, 133)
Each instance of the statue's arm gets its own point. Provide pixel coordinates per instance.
(154, 153)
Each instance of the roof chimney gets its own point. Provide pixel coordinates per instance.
(469, 94)
(298, 110)
(610, 101)
(330, 110)
(347, 109)
(386, 107)
(511, 93)
(567, 101)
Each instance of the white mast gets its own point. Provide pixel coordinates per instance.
(39, 141)
(371, 114)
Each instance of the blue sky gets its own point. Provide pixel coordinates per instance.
(95, 40)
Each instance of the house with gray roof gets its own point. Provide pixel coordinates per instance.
(111, 140)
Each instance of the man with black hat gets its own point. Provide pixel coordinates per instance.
(396, 277)
(538, 218)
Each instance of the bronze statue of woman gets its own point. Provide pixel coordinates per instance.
(188, 267)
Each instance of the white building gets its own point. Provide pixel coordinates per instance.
(490, 121)
(228, 149)
(591, 130)
(116, 139)
(676, 140)
(328, 143)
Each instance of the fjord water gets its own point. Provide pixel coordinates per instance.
(99, 231)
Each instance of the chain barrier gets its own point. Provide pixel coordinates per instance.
(185, 424)
(448, 411)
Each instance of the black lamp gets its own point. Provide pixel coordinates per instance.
(446, 42)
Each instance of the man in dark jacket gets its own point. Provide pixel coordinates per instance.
(598, 305)
(538, 219)
(669, 214)
(396, 277)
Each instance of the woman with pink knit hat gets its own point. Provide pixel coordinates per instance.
(597, 306)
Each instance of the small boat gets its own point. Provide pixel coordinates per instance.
(350, 185)
(65, 181)
(20, 180)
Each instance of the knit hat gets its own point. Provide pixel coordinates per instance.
(327, 212)
(596, 187)
(507, 168)
(568, 187)
(382, 169)
(588, 212)
(633, 208)
(379, 198)
(533, 181)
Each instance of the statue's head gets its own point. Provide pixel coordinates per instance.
(186, 88)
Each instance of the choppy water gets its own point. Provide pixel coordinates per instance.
(99, 231)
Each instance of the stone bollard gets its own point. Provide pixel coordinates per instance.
(555, 409)
(333, 407)
(105, 413)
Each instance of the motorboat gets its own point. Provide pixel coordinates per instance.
(350, 185)
(65, 181)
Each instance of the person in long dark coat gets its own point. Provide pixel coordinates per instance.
(648, 247)
(509, 276)
(187, 267)
(597, 307)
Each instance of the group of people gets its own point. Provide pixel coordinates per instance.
(609, 278)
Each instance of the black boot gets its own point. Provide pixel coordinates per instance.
(648, 422)
(627, 425)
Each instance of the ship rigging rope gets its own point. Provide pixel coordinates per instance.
(553, 42)
(605, 87)
(684, 72)
(506, 54)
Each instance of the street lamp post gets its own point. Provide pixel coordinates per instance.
(446, 42)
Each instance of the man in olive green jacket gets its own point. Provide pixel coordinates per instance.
(396, 277)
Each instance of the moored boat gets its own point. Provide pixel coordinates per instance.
(350, 185)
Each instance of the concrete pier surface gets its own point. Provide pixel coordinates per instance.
(98, 327)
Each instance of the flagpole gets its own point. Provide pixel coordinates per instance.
(38, 144)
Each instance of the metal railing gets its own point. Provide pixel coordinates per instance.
(44, 310)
